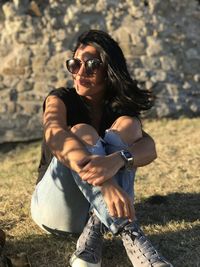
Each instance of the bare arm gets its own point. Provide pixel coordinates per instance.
(144, 150)
(62, 142)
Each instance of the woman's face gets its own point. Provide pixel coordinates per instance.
(91, 86)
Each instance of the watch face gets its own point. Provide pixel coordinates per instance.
(128, 158)
(128, 155)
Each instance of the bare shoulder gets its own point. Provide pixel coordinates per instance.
(53, 101)
(55, 111)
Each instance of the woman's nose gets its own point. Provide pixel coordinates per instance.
(82, 70)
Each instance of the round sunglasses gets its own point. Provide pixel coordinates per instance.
(91, 65)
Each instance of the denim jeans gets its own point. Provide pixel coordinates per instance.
(61, 200)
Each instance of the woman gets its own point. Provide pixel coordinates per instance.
(95, 135)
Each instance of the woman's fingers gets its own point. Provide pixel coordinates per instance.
(118, 201)
(125, 208)
(120, 209)
(112, 210)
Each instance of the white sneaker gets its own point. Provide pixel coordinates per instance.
(77, 262)
(89, 245)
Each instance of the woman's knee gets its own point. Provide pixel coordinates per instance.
(86, 133)
(129, 129)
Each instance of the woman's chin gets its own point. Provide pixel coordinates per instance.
(82, 90)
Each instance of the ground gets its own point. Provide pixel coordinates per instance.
(167, 201)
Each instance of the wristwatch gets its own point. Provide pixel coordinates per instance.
(128, 159)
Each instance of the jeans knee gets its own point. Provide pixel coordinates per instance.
(86, 133)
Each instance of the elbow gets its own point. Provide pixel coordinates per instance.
(152, 153)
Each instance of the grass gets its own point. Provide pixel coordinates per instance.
(167, 201)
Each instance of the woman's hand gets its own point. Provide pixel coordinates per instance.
(117, 200)
(98, 169)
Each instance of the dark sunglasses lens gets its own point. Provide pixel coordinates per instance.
(92, 65)
(73, 65)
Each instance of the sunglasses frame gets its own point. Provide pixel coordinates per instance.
(88, 70)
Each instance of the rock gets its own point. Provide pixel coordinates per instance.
(192, 53)
(150, 62)
(31, 108)
(194, 108)
(187, 85)
(158, 76)
(11, 108)
(154, 46)
(61, 35)
(21, 3)
(9, 10)
(24, 85)
(14, 25)
(39, 63)
(141, 74)
(24, 57)
(29, 36)
(41, 87)
(168, 63)
(197, 77)
(21, 6)
(172, 89)
(136, 11)
(123, 38)
(10, 71)
(162, 109)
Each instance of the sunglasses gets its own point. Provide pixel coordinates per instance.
(91, 65)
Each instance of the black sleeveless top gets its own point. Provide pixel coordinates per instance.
(77, 112)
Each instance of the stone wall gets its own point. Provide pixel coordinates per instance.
(161, 41)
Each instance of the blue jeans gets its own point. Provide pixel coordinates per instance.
(61, 200)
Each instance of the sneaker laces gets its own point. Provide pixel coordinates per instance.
(144, 247)
(89, 245)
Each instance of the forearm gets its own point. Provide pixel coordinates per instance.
(66, 147)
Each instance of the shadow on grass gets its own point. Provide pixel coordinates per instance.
(173, 207)
(10, 146)
(181, 247)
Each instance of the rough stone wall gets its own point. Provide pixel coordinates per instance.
(161, 41)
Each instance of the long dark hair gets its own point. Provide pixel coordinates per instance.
(123, 93)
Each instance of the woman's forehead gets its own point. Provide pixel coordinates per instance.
(86, 52)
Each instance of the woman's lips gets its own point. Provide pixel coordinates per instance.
(83, 82)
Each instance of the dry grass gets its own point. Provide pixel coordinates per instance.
(172, 222)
